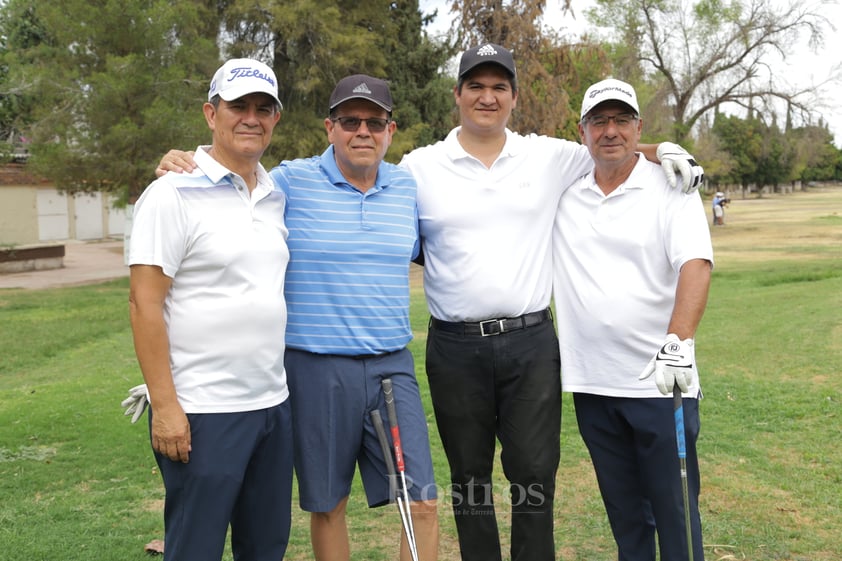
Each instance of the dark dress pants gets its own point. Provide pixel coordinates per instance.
(503, 387)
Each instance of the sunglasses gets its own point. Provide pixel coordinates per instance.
(352, 124)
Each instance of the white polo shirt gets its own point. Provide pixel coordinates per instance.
(616, 263)
(486, 231)
(226, 253)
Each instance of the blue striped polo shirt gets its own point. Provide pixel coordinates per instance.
(347, 282)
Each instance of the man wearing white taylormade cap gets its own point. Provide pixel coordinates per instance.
(208, 257)
(632, 264)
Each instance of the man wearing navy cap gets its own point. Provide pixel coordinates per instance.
(208, 256)
(353, 233)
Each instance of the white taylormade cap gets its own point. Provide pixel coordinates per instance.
(243, 76)
(609, 90)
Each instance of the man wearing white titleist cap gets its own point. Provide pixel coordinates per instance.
(487, 199)
(632, 264)
(208, 256)
(353, 232)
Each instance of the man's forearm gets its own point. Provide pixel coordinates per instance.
(147, 293)
(691, 298)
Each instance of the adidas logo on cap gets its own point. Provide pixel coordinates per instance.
(486, 50)
(362, 86)
(489, 53)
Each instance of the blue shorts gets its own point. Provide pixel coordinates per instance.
(332, 398)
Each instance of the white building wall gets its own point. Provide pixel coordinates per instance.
(53, 216)
(88, 216)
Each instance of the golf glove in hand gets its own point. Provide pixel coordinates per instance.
(674, 364)
(674, 159)
(136, 403)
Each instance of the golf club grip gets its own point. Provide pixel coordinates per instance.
(678, 412)
(389, 396)
(680, 437)
(384, 443)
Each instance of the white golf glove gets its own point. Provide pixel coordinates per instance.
(674, 159)
(674, 364)
(136, 403)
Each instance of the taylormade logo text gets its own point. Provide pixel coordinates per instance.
(623, 91)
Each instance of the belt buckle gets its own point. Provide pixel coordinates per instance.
(490, 323)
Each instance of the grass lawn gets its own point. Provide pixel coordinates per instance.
(78, 481)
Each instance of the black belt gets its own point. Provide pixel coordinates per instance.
(493, 326)
(372, 355)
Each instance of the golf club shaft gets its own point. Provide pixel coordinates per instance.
(680, 436)
(403, 508)
(389, 397)
(377, 421)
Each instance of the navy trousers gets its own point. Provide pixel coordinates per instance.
(633, 447)
(239, 473)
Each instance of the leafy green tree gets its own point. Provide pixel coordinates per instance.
(315, 43)
(775, 165)
(422, 91)
(114, 83)
(741, 138)
(837, 174)
(718, 162)
(18, 29)
(761, 152)
(816, 158)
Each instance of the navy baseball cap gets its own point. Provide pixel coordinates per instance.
(484, 54)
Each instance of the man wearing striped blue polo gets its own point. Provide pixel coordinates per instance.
(353, 232)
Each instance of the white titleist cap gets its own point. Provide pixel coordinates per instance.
(609, 90)
(243, 76)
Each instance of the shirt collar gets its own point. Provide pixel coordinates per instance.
(334, 175)
(454, 149)
(216, 172)
(637, 179)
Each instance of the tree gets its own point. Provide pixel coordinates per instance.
(718, 162)
(761, 153)
(741, 139)
(776, 157)
(315, 43)
(422, 92)
(548, 70)
(711, 53)
(114, 83)
(816, 157)
(18, 29)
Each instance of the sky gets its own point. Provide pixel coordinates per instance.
(802, 67)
